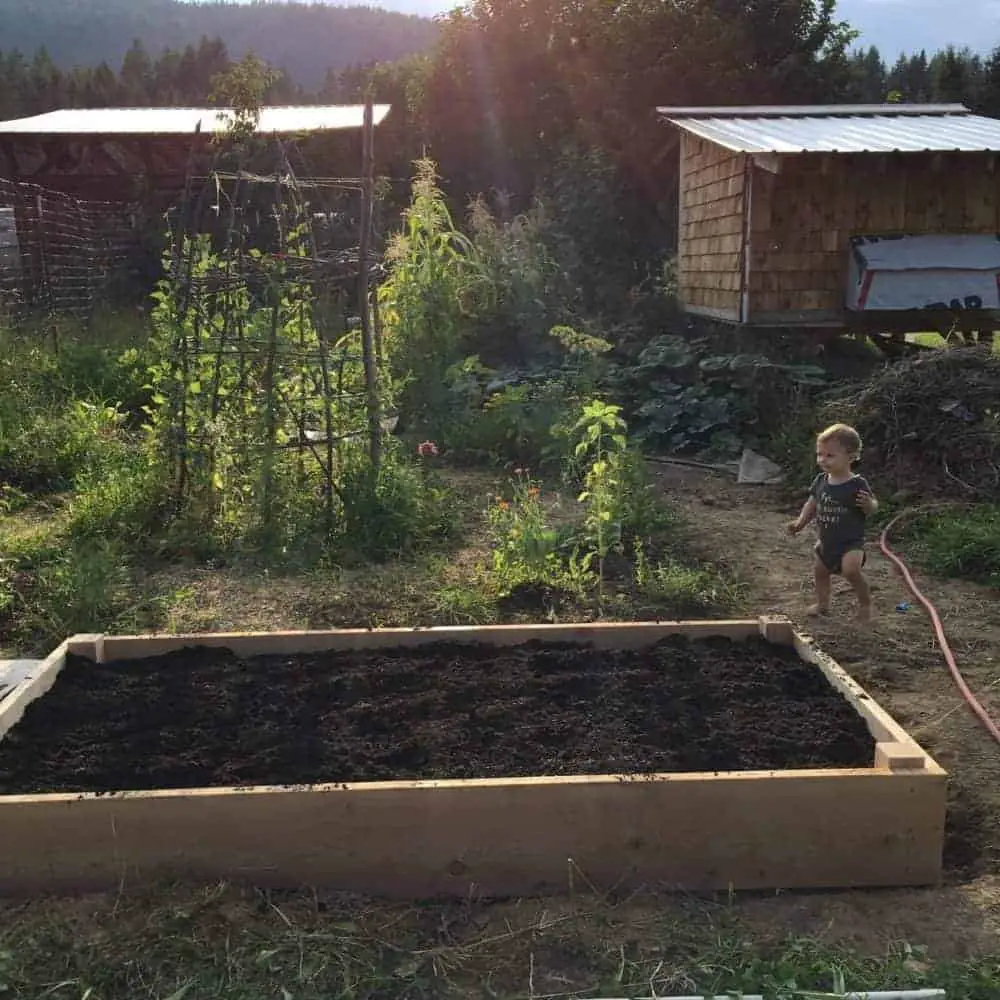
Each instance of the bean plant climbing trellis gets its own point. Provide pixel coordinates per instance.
(267, 375)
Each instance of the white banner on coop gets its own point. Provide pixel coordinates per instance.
(955, 273)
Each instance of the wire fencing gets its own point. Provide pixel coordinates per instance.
(61, 255)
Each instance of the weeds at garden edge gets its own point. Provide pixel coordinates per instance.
(177, 941)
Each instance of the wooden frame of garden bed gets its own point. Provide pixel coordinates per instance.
(878, 826)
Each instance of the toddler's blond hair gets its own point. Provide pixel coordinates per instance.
(844, 435)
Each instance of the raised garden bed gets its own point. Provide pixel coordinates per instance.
(498, 760)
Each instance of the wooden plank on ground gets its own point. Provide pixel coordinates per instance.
(14, 673)
(12, 707)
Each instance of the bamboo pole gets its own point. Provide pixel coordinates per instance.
(367, 337)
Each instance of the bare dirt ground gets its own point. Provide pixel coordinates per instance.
(743, 528)
(898, 660)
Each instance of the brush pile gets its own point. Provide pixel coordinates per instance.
(931, 423)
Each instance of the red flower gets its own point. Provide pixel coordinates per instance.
(427, 449)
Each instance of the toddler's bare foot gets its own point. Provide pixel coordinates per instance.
(817, 610)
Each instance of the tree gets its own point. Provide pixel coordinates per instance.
(989, 96)
(137, 75)
(868, 77)
(955, 76)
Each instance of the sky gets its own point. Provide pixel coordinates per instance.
(910, 25)
(894, 26)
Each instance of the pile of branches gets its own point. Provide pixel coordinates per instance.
(931, 423)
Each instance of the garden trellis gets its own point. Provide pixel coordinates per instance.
(267, 381)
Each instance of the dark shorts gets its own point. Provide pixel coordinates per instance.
(834, 560)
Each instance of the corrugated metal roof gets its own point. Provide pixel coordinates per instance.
(888, 128)
(813, 110)
(183, 121)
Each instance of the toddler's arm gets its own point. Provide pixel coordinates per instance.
(807, 513)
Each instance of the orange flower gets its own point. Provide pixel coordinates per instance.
(504, 505)
(533, 492)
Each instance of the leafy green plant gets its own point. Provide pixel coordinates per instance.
(525, 417)
(602, 439)
(525, 548)
(530, 291)
(392, 511)
(259, 405)
(685, 398)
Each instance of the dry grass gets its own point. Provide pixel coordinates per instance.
(173, 942)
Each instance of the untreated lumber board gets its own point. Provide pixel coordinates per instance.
(606, 635)
(496, 838)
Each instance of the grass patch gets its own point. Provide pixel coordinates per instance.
(963, 544)
(92, 562)
(688, 588)
(220, 943)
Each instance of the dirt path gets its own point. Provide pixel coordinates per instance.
(896, 658)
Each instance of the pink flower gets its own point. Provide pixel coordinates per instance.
(427, 449)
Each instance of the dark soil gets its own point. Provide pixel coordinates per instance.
(201, 717)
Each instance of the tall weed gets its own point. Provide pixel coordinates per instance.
(391, 512)
(530, 292)
(435, 284)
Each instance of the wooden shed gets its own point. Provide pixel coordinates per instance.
(121, 154)
(789, 216)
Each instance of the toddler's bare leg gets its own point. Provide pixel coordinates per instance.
(854, 575)
(822, 577)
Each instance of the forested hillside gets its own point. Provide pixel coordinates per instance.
(304, 38)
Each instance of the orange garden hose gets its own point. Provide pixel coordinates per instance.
(977, 708)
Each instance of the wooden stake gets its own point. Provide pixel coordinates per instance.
(367, 338)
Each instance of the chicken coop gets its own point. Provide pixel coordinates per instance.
(882, 218)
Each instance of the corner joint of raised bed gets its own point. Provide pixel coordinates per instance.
(87, 644)
(777, 629)
(899, 757)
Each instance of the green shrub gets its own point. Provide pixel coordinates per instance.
(44, 452)
(683, 397)
(123, 496)
(530, 292)
(52, 587)
(66, 402)
(395, 511)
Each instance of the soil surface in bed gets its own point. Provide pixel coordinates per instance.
(203, 717)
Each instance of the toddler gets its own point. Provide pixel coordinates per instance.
(839, 500)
